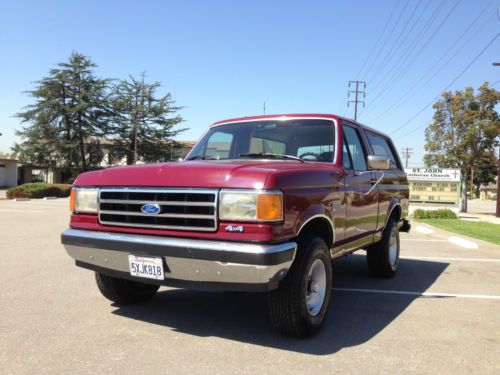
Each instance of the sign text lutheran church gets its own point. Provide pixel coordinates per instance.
(434, 185)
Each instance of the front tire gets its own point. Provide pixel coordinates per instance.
(124, 292)
(298, 306)
(383, 256)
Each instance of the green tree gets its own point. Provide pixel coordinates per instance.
(144, 123)
(463, 132)
(64, 125)
(486, 170)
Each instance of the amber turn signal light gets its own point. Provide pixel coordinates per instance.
(72, 200)
(270, 207)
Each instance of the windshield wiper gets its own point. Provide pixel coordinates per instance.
(270, 156)
(201, 157)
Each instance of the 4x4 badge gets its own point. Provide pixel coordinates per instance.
(234, 228)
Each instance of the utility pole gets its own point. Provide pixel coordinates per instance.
(406, 152)
(356, 93)
(264, 108)
(498, 160)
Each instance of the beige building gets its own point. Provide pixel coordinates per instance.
(8, 170)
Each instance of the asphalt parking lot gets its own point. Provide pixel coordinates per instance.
(440, 314)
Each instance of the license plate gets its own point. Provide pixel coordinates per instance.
(147, 267)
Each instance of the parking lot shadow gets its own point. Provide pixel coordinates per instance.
(353, 318)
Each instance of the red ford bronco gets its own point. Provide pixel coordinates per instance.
(260, 204)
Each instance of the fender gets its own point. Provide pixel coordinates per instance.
(314, 212)
(395, 203)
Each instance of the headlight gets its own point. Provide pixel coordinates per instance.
(250, 205)
(84, 200)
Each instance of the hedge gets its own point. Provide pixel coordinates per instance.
(39, 190)
(442, 213)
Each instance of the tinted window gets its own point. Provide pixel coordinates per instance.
(381, 147)
(219, 145)
(267, 146)
(355, 148)
(346, 159)
(312, 139)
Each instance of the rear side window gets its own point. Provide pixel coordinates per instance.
(354, 148)
(381, 147)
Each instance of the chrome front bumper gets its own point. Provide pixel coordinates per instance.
(194, 263)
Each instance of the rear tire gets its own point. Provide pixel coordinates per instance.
(383, 256)
(124, 292)
(298, 306)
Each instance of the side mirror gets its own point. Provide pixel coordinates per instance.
(378, 162)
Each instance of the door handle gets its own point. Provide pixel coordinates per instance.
(375, 183)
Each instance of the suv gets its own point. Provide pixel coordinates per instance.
(260, 204)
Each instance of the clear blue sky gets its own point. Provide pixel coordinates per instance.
(223, 59)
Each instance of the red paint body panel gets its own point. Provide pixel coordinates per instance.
(310, 189)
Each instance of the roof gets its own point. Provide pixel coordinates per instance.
(8, 157)
(287, 116)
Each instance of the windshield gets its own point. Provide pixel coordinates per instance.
(310, 140)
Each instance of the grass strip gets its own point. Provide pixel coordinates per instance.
(476, 229)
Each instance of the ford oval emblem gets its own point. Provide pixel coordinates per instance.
(150, 209)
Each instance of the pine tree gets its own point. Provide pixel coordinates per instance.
(64, 126)
(143, 123)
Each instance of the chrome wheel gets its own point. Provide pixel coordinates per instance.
(316, 287)
(393, 247)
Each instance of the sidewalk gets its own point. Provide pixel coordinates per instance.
(481, 211)
(479, 217)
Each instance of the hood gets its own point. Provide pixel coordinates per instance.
(248, 174)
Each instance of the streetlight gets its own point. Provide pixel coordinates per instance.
(498, 173)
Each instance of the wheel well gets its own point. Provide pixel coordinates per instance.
(320, 227)
(395, 213)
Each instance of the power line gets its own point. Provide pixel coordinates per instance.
(420, 83)
(385, 42)
(400, 17)
(356, 92)
(451, 83)
(404, 68)
(379, 38)
(391, 53)
(425, 124)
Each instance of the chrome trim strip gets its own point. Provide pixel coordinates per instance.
(179, 216)
(153, 226)
(324, 217)
(375, 184)
(188, 243)
(161, 203)
(390, 213)
(158, 190)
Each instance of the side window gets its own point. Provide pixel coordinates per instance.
(219, 145)
(346, 159)
(355, 148)
(381, 147)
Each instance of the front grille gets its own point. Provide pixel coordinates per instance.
(194, 209)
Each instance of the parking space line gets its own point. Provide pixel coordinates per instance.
(453, 259)
(424, 230)
(463, 242)
(422, 240)
(419, 294)
(30, 211)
